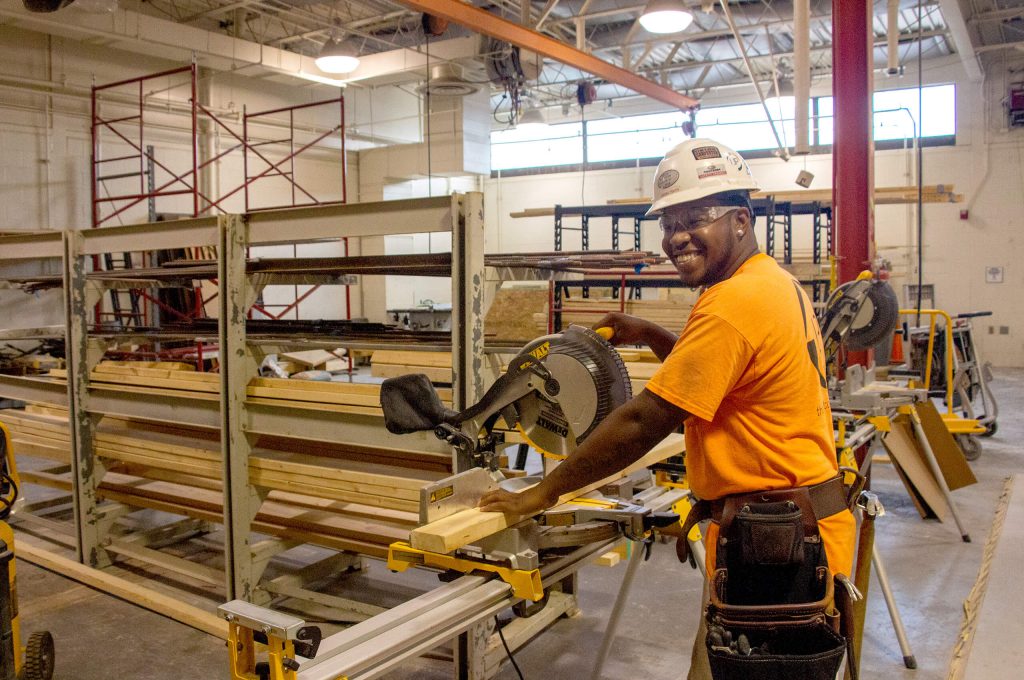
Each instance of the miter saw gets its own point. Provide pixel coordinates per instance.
(555, 391)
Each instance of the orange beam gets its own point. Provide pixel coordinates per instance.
(481, 21)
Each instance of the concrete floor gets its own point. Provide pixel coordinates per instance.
(930, 569)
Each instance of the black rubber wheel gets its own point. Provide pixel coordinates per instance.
(39, 657)
(990, 429)
(884, 313)
(970, 446)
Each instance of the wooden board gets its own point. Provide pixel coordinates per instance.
(467, 526)
(917, 477)
(165, 605)
(511, 316)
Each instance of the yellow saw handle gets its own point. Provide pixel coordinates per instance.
(605, 332)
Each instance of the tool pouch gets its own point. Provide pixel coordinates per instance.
(773, 642)
(771, 613)
(769, 544)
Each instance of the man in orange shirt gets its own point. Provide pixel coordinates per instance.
(746, 375)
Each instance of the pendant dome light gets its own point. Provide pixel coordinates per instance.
(338, 56)
(666, 16)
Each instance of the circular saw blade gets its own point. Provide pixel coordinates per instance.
(591, 382)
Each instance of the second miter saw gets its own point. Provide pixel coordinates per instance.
(555, 391)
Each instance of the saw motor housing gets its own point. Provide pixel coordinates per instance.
(556, 390)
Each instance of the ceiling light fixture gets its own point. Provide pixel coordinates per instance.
(337, 56)
(531, 120)
(666, 16)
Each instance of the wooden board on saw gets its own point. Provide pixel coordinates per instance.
(467, 526)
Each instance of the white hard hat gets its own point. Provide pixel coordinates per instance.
(698, 168)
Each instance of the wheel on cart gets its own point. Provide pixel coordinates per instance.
(971, 446)
(39, 657)
(990, 429)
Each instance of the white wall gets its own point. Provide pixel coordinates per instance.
(986, 165)
(46, 143)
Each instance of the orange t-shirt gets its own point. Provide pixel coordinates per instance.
(749, 370)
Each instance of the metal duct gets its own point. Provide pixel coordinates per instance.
(892, 37)
(801, 72)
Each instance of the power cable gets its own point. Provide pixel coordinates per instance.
(430, 179)
(920, 168)
(497, 625)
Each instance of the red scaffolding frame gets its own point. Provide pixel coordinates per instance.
(131, 131)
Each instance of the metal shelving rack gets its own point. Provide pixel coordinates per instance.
(239, 422)
(778, 220)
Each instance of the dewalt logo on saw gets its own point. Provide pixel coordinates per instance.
(552, 421)
(538, 352)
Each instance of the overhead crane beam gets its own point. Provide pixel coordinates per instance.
(481, 21)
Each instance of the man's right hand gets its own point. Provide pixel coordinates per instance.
(629, 330)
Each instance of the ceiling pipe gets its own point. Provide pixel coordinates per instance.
(801, 73)
(892, 36)
(481, 21)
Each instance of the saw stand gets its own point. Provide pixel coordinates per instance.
(860, 392)
(637, 556)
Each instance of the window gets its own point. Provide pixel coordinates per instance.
(633, 137)
(615, 142)
(746, 127)
(537, 147)
(896, 115)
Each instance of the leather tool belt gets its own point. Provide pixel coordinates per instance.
(772, 612)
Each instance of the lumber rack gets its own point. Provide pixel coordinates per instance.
(103, 498)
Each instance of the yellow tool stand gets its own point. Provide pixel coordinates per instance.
(34, 661)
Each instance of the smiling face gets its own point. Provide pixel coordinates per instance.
(707, 241)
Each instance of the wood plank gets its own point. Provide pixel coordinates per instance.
(441, 375)
(311, 358)
(404, 357)
(467, 526)
(165, 605)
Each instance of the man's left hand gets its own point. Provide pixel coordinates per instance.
(524, 503)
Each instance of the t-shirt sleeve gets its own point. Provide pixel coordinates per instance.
(703, 367)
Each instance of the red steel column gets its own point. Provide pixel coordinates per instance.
(853, 149)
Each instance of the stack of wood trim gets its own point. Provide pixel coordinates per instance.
(383, 485)
(390, 363)
(339, 397)
(670, 313)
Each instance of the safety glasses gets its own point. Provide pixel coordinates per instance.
(691, 219)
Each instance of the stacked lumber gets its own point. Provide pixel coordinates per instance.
(931, 193)
(340, 397)
(669, 313)
(332, 524)
(511, 315)
(192, 456)
(389, 363)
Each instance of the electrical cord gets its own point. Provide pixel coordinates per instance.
(497, 625)
(920, 169)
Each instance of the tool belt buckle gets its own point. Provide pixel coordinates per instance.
(854, 490)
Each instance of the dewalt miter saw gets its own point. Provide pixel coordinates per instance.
(555, 391)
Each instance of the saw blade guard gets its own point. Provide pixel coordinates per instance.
(586, 380)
